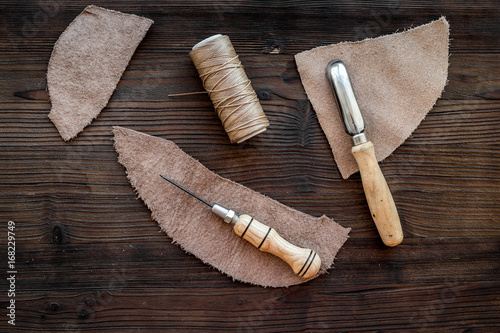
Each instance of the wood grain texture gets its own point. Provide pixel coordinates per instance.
(378, 195)
(89, 257)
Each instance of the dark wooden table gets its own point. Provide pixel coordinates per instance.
(90, 258)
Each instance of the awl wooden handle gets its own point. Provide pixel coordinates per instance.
(304, 262)
(378, 195)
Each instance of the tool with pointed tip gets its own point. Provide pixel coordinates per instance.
(304, 262)
(377, 191)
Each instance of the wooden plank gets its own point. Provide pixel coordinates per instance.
(90, 258)
(152, 77)
(433, 307)
(124, 294)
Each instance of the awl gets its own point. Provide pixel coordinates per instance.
(378, 195)
(304, 262)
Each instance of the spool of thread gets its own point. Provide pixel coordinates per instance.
(229, 88)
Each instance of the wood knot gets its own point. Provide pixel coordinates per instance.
(274, 44)
(263, 94)
(54, 306)
(84, 313)
(90, 301)
(58, 236)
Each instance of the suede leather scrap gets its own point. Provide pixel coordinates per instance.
(86, 64)
(193, 226)
(397, 79)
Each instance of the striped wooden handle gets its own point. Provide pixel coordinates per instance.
(304, 262)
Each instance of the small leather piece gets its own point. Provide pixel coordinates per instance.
(397, 79)
(86, 64)
(192, 225)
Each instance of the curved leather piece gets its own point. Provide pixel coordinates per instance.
(192, 225)
(86, 64)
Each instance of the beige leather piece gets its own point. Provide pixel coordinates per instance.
(397, 79)
(86, 64)
(191, 224)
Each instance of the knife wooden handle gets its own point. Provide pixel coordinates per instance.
(378, 195)
(304, 262)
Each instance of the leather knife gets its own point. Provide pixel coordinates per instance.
(377, 192)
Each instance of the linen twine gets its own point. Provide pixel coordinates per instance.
(229, 88)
